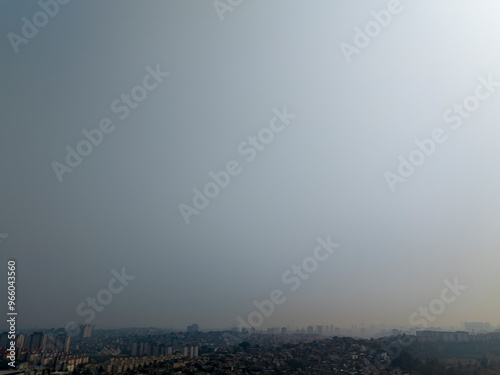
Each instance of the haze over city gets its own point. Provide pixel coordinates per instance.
(230, 147)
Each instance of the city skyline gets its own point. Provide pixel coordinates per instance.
(249, 165)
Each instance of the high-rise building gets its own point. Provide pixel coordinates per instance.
(189, 351)
(62, 343)
(85, 331)
(133, 350)
(20, 341)
(38, 341)
(27, 340)
(310, 330)
(193, 328)
(147, 349)
(320, 330)
(477, 327)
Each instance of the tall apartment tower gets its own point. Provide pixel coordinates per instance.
(192, 328)
(147, 349)
(319, 330)
(38, 341)
(27, 340)
(85, 331)
(20, 341)
(62, 343)
(133, 351)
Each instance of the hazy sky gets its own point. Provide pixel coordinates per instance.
(323, 174)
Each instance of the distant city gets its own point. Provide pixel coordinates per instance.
(160, 350)
(242, 187)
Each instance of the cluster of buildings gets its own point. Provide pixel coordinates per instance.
(321, 330)
(191, 351)
(458, 336)
(478, 327)
(59, 362)
(312, 350)
(149, 349)
(331, 330)
(292, 355)
(57, 341)
(38, 341)
(120, 365)
(46, 349)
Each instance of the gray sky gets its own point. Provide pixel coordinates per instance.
(323, 175)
